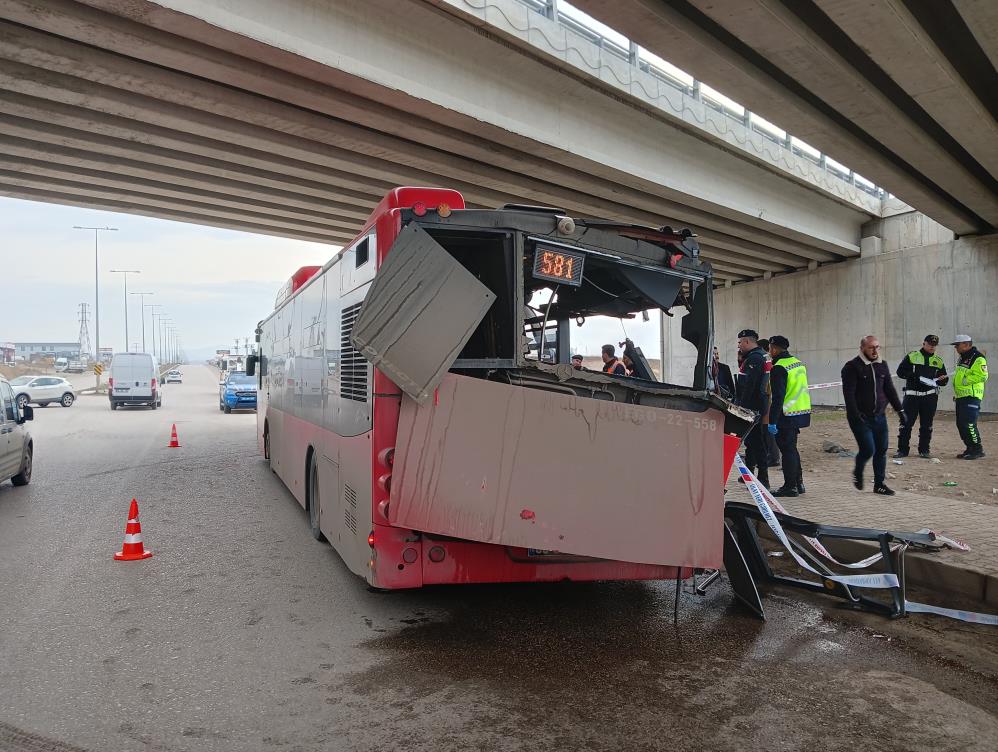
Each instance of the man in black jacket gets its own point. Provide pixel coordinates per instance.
(924, 372)
(751, 393)
(867, 389)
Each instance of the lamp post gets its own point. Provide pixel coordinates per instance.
(97, 232)
(152, 327)
(125, 272)
(142, 301)
(163, 321)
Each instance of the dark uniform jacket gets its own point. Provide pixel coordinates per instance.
(752, 383)
(867, 388)
(911, 373)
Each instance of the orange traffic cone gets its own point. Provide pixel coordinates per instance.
(174, 442)
(132, 548)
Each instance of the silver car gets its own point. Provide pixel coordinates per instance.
(16, 447)
(43, 390)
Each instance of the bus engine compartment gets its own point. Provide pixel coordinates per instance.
(500, 439)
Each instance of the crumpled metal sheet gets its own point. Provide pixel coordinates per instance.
(524, 467)
(421, 310)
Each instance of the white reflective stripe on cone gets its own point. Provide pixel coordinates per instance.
(137, 538)
(134, 522)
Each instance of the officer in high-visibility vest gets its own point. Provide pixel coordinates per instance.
(968, 391)
(924, 372)
(789, 411)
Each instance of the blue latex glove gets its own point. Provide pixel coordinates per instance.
(772, 428)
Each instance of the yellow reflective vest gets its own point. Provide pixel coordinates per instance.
(971, 374)
(797, 400)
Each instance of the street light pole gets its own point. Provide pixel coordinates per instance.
(142, 302)
(125, 272)
(163, 321)
(153, 316)
(97, 232)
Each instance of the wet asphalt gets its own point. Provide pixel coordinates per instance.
(244, 633)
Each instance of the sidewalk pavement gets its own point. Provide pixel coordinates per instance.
(973, 573)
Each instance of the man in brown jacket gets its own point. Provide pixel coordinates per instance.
(867, 388)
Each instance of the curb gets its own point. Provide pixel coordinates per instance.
(919, 569)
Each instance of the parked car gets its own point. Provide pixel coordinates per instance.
(16, 447)
(236, 391)
(43, 390)
(174, 377)
(134, 380)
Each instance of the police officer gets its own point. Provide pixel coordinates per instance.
(751, 394)
(920, 398)
(789, 412)
(968, 391)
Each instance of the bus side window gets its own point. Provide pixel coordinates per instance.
(362, 252)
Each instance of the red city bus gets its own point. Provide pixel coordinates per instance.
(417, 398)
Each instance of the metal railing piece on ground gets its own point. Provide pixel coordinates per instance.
(893, 546)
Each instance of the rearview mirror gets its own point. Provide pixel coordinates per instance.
(251, 365)
(27, 413)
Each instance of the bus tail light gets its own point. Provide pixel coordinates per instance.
(437, 554)
(154, 384)
(443, 210)
(383, 508)
(387, 457)
(419, 209)
(385, 483)
(110, 381)
(370, 539)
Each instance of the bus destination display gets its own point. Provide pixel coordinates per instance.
(558, 266)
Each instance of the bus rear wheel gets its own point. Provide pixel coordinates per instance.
(313, 500)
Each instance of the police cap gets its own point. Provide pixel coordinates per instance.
(931, 339)
(751, 333)
(780, 341)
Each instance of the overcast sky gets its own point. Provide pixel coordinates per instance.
(215, 284)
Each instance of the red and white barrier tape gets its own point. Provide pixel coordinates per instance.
(766, 504)
(827, 385)
(759, 494)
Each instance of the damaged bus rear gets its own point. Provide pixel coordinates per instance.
(417, 397)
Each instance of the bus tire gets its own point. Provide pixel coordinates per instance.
(314, 505)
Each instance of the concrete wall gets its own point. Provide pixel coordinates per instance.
(910, 282)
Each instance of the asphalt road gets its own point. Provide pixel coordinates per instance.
(244, 633)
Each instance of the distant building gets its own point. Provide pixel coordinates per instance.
(36, 350)
(7, 352)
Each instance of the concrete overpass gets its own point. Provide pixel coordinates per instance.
(903, 91)
(294, 118)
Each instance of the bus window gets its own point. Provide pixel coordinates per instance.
(419, 313)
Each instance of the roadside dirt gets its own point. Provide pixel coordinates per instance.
(976, 481)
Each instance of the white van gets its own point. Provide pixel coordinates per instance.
(134, 380)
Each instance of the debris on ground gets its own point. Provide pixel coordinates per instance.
(950, 483)
(891, 476)
(920, 485)
(936, 461)
(898, 462)
(832, 448)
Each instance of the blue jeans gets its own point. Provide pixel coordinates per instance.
(871, 436)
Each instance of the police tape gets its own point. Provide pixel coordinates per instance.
(759, 496)
(827, 385)
(953, 613)
(762, 499)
